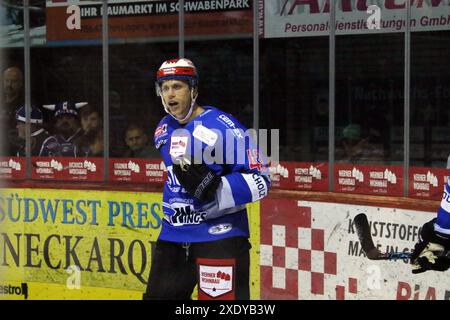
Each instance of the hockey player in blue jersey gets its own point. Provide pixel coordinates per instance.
(214, 170)
(430, 253)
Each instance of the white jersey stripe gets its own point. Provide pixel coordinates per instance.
(256, 184)
(225, 195)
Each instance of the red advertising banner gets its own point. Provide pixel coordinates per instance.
(146, 18)
(427, 183)
(365, 179)
(137, 170)
(305, 176)
(12, 168)
(67, 169)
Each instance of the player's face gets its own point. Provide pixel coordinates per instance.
(177, 96)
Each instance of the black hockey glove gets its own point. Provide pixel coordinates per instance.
(198, 180)
(429, 252)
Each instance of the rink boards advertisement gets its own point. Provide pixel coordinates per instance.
(82, 20)
(84, 244)
(59, 244)
(289, 18)
(310, 251)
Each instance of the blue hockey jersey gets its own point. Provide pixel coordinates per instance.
(443, 216)
(218, 140)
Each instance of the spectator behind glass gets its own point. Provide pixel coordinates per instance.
(12, 98)
(91, 119)
(92, 129)
(357, 146)
(96, 147)
(38, 133)
(137, 143)
(91, 144)
(67, 130)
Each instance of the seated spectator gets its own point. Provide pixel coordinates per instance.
(91, 144)
(67, 130)
(137, 143)
(358, 148)
(38, 133)
(92, 128)
(12, 95)
(91, 119)
(11, 98)
(96, 147)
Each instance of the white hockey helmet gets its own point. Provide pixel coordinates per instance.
(181, 69)
(178, 69)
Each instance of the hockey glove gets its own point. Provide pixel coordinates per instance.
(198, 180)
(429, 252)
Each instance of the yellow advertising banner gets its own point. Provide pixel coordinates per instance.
(84, 244)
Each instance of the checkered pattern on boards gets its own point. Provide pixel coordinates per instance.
(294, 261)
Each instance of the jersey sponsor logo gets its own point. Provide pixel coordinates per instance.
(216, 281)
(186, 216)
(161, 130)
(205, 135)
(237, 132)
(220, 228)
(227, 120)
(178, 146)
(160, 143)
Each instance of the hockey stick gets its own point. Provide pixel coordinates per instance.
(365, 238)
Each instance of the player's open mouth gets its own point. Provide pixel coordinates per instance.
(173, 104)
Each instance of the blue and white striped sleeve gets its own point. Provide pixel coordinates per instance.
(241, 188)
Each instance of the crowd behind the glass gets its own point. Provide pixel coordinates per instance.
(65, 128)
